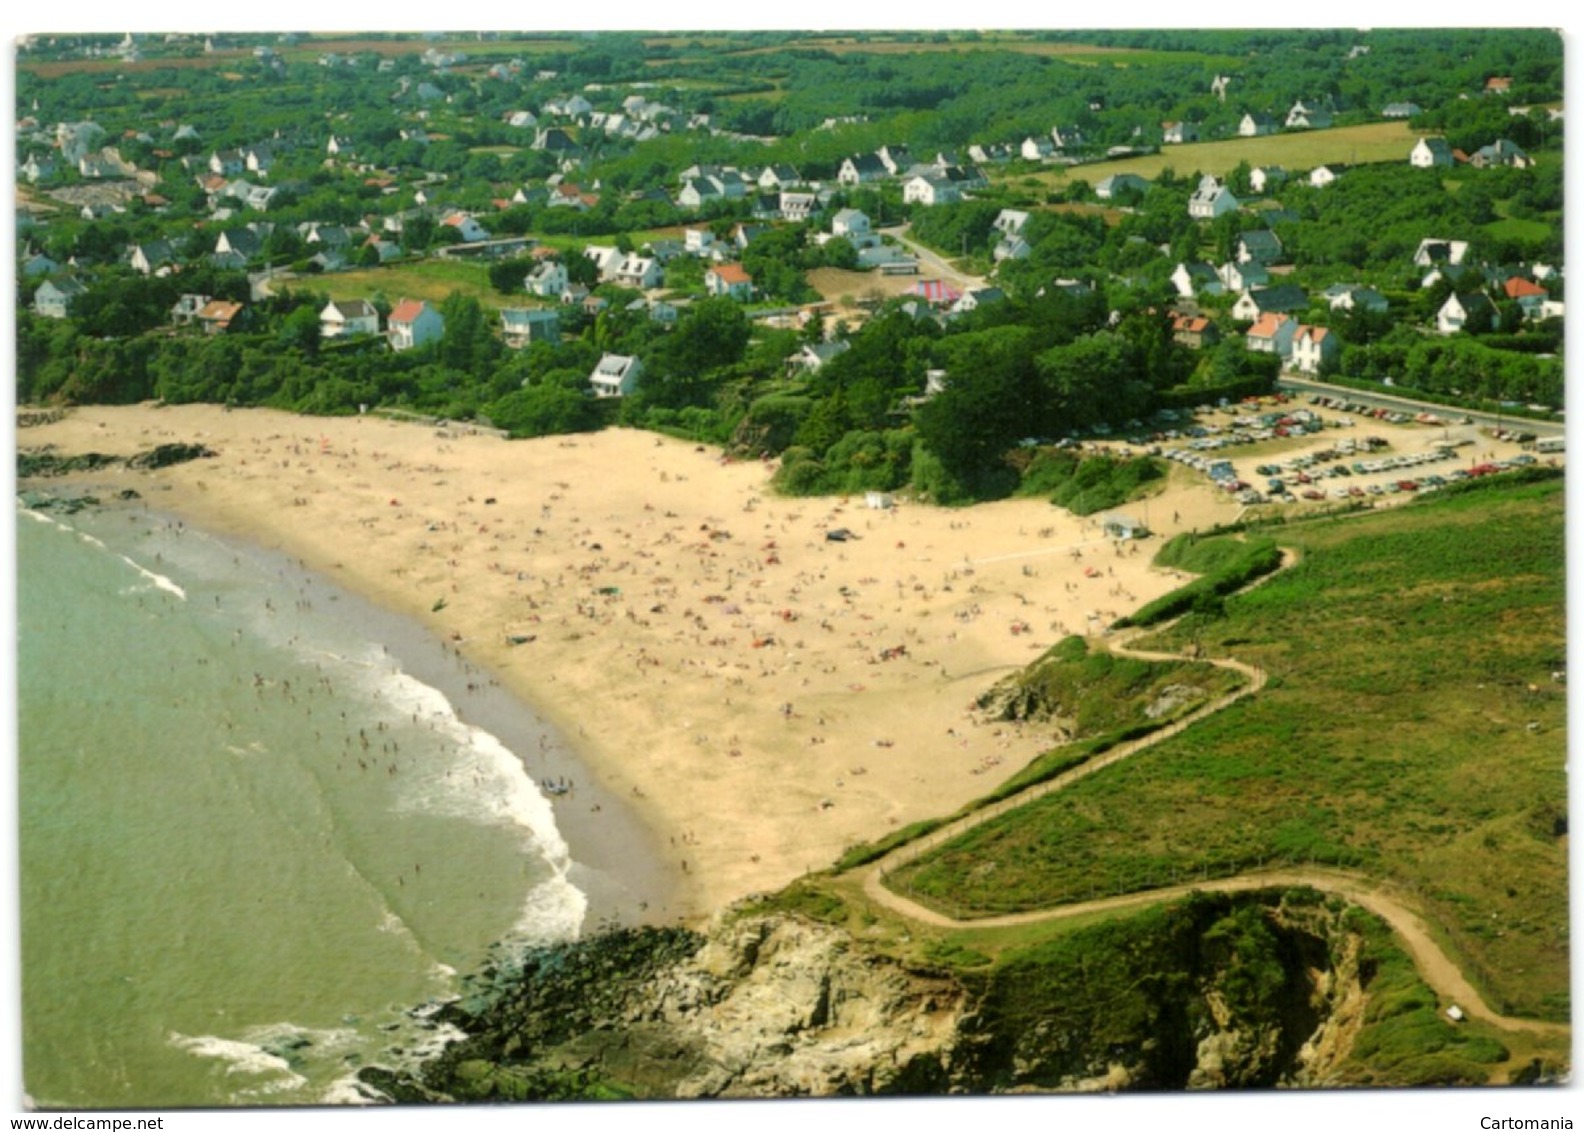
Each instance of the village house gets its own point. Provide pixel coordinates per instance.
(1271, 334)
(1314, 348)
(348, 318)
(1431, 153)
(862, 169)
(1256, 125)
(1110, 187)
(930, 191)
(895, 158)
(186, 309)
(217, 316)
(1460, 309)
(814, 355)
(1352, 296)
(466, 227)
(976, 297)
(1401, 110)
(1464, 307)
(606, 258)
(642, 272)
(616, 375)
(149, 257)
(1211, 199)
(413, 322)
(38, 264)
(37, 168)
(776, 177)
(1010, 221)
(1192, 279)
(729, 279)
(1436, 253)
(796, 207)
(1252, 303)
(1530, 296)
(1305, 116)
(698, 192)
(258, 159)
(54, 297)
(852, 223)
(548, 280)
(1036, 149)
(1500, 152)
(1012, 247)
(1237, 277)
(699, 242)
(243, 243)
(1323, 176)
(1260, 245)
(1066, 137)
(1267, 178)
(520, 326)
(1194, 331)
(1177, 133)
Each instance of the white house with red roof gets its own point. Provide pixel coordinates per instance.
(1312, 348)
(1272, 333)
(468, 228)
(412, 323)
(729, 279)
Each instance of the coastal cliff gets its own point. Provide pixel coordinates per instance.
(1214, 992)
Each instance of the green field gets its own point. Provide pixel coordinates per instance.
(1411, 731)
(430, 279)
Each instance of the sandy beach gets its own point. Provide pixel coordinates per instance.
(763, 696)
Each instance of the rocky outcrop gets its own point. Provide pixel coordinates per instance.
(1215, 992)
(46, 462)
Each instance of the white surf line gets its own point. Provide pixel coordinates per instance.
(160, 581)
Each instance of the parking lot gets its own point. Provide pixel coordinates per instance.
(1317, 450)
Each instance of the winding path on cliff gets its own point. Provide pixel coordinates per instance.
(1437, 969)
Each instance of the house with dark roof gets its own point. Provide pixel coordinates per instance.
(1431, 153)
(1259, 245)
(862, 169)
(1285, 298)
(347, 318)
(1462, 307)
(54, 297)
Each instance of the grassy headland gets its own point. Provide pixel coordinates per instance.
(1411, 730)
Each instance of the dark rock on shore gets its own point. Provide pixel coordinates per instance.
(1213, 992)
(39, 463)
(165, 455)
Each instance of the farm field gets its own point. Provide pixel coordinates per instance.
(1354, 145)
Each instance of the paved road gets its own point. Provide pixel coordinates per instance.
(1446, 412)
(932, 262)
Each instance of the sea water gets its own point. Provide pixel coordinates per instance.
(251, 839)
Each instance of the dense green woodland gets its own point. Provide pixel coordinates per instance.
(1048, 361)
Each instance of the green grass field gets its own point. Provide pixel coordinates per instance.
(429, 279)
(1411, 730)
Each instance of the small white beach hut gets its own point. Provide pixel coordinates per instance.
(1118, 525)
